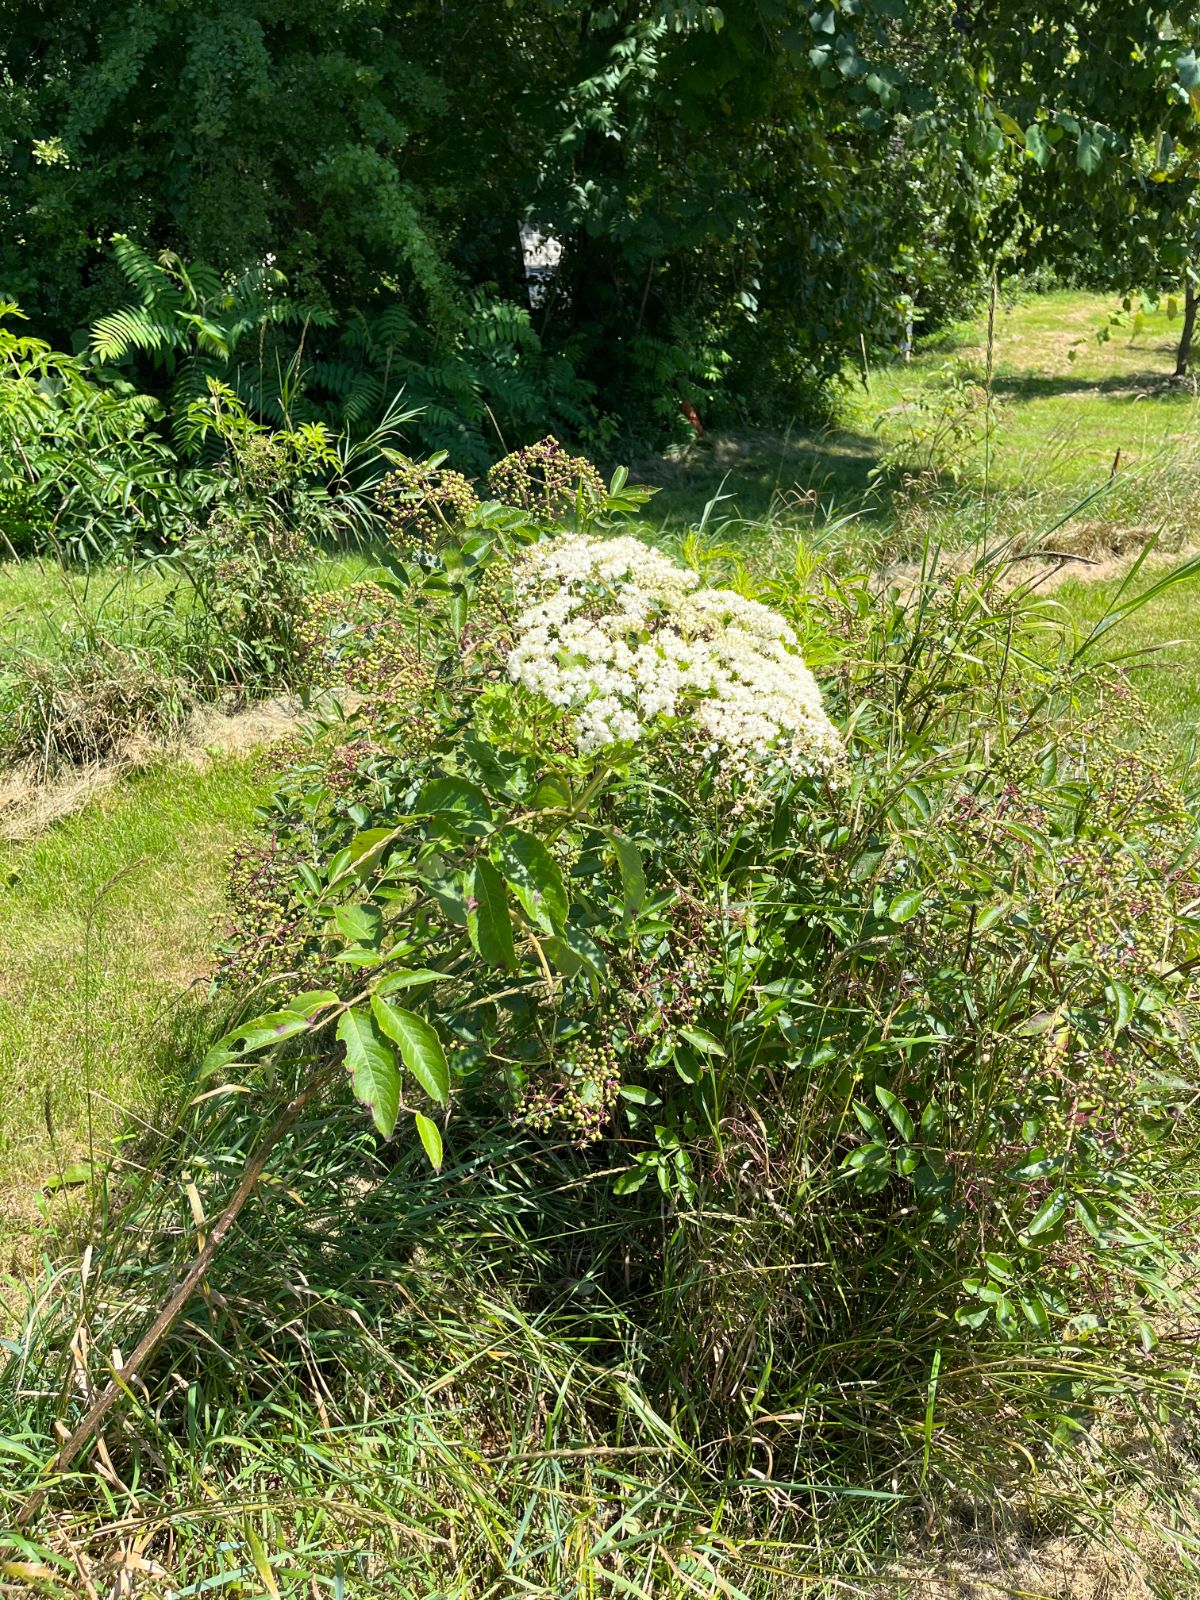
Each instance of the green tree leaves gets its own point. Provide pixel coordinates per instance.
(420, 1048)
(372, 1068)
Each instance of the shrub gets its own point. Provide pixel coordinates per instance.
(949, 966)
(544, 480)
(823, 1083)
(423, 503)
(81, 468)
(248, 575)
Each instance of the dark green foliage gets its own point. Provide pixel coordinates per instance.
(700, 174)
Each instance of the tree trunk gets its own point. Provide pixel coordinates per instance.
(1183, 354)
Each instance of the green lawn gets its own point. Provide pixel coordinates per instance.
(1067, 409)
(1161, 644)
(106, 923)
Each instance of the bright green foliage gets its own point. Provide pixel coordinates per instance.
(80, 465)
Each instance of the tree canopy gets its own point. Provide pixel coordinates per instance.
(745, 195)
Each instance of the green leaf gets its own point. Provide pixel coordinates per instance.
(870, 1122)
(700, 1039)
(1038, 145)
(576, 950)
(1035, 1313)
(272, 1028)
(488, 920)
(1123, 1001)
(372, 1068)
(631, 1181)
(906, 905)
(455, 807)
(312, 1001)
(971, 1317)
(633, 873)
(1048, 1215)
(420, 1048)
(79, 1172)
(409, 978)
(1089, 153)
(360, 924)
(532, 874)
(431, 1138)
(897, 1113)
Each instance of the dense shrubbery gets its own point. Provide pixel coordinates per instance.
(808, 1075)
(917, 1015)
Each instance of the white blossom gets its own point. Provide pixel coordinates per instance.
(620, 637)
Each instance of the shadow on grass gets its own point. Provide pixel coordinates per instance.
(1129, 386)
(757, 475)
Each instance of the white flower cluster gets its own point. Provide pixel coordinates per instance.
(619, 636)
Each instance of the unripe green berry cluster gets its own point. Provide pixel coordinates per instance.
(546, 480)
(422, 505)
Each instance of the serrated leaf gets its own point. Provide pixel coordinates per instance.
(455, 807)
(420, 1048)
(271, 1028)
(431, 1137)
(360, 924)
(372, 1068)
(488, 921)
(312, 1001)
(533, 875)
(408, 978)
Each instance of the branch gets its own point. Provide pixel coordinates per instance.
(120, 1383)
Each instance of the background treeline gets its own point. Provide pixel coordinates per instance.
(747, 196)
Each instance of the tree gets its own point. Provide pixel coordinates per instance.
(743, 196)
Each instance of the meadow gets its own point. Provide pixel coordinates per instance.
(583, 1397)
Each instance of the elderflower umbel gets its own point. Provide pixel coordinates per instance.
(619, 636)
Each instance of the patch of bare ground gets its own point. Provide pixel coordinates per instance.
(1044, 571)
(1048, 1569)
(29, 803)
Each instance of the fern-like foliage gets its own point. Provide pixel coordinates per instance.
(191, 325)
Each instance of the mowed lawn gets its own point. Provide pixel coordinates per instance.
(107, 923)
(1070, 413)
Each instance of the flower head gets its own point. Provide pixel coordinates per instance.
(621, 638)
